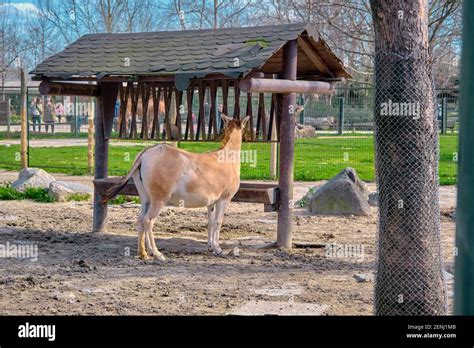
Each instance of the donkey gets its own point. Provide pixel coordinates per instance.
(167, 175)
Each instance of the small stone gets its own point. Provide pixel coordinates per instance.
(30, 280)
(67, 296)
(363, 278)
(236, 252)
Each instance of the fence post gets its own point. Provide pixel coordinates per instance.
(23, 124)
(8, 116)
(464, 276)
(444, 115)
(341, 116)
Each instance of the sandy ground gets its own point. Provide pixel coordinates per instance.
(81, 273)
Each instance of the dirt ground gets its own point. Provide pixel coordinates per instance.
(82, 273)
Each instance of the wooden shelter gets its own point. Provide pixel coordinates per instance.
(279, 60)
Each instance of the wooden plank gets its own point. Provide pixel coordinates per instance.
(250, 113)
(212, 132)
(201, 121)
(285, 86)
(264, 193)
(168, 93)
(225, 101)
(123, 95)
(261, 118)
(178, 100)
(236, 99)
(69, 89)
(155, 127)
(134, 94)
(145, 94)
(189, 120)
(271, 121)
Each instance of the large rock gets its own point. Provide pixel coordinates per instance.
(61, 190)
(32, 178)
(345, 194)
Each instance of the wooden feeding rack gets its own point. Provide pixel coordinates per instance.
(207, 71)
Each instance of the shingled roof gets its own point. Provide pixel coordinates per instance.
(234, 52)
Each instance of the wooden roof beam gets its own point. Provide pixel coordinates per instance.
(314, 57)
(76, 89)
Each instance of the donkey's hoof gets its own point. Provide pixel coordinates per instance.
(218, 252)
(159, 256)
(144, 257)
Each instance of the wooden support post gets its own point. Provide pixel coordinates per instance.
(103, 126)
(90, 138)
(23, 121)
(287, 140)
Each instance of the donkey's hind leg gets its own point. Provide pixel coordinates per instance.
(143, 243)
(148, 221)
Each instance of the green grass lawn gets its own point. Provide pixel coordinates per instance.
(315, 159)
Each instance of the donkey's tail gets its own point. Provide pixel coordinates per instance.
(114, 190)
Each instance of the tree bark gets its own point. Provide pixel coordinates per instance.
(410, 268)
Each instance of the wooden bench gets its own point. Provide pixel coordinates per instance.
(249, 192)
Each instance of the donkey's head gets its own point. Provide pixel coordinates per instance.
(233, 129)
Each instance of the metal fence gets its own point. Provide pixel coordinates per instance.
(343, 137)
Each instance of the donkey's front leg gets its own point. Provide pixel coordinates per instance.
(221, 207)
(211, 216)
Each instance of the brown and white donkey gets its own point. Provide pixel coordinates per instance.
(165, 175)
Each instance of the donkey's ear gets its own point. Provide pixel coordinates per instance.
(244, 121)
(225, 118)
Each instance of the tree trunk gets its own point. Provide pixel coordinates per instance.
(410, 267)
